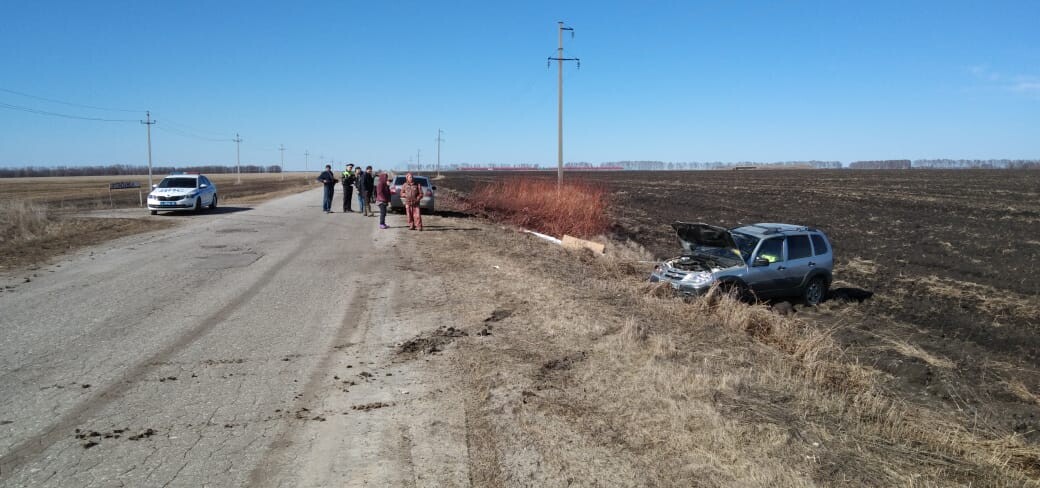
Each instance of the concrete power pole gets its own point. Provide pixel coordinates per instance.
(148, 124)
(439, 141)
(281, 157)
(306, 156)
(238, 161)
(559, 120)
(418, 166)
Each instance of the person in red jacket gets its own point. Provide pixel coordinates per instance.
(411, 194)
(382, 198)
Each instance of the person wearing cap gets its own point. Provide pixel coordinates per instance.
(411, 195)
(348, 187)
(359, 185)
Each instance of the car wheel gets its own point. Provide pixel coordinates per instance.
(155, 212)
(736, 290)
(814, 291)
(198, 204)
(213, 204)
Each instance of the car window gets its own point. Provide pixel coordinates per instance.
(772, 249)
(819, 244)
(745, 243)
(177, 183)
(798, 247)
(399, 180)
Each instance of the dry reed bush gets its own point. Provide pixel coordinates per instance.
(577, 209)
(22, 221)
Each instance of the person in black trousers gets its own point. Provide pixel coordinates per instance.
(348, 187)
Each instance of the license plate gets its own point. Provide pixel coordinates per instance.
(167, 204)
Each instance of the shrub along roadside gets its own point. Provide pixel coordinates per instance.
(575, 208)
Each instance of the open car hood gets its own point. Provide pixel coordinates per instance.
(698, 234)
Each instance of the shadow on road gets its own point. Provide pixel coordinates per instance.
(215, 211)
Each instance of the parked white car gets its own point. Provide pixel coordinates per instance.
(182, 192)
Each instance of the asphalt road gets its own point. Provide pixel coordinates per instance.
(224, 352)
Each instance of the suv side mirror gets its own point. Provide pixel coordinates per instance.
(155, 186)
(203, 185)
(760, 261)
(434, 187)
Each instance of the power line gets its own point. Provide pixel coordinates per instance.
(179, 132)
(56, 114)
(68, 103)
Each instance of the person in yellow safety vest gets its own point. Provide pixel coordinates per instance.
(348, 187)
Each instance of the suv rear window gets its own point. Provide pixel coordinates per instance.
(421, 180)
(798, 247)
(819, 244)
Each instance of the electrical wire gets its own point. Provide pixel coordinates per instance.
(70, 103)
(56, 114)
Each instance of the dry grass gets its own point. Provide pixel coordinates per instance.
(598, 379)
(577, 209)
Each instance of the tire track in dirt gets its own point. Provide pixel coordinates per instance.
(269, 467)
(26, 450)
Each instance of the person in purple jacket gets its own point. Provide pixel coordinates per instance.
(382, 198)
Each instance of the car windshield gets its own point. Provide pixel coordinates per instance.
(421, 180)
(745, 243)
(177, 183)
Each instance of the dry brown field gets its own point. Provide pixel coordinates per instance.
(43, 217)
(948, 340)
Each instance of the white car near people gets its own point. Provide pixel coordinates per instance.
(183, 192)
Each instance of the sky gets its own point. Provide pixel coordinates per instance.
(372, 82)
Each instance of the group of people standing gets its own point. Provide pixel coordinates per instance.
(371, 190)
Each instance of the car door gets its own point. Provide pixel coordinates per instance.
(767, 279)
(799, 261)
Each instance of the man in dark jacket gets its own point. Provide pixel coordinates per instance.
(369, 189)
(348, 187)
(359, 185)
(326, 178)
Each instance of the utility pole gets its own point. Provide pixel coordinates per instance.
(439, 141)
(281, 167)
(148, 124)
(559, 120)
(418, 166)
(322, 159)
(306, 156)
(238, 161)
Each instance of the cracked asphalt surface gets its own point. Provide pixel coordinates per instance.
(228, 351)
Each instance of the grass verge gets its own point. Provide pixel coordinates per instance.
(595, 378)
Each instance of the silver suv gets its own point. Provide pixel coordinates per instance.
(754, 261)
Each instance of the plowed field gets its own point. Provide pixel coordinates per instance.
(951, 258)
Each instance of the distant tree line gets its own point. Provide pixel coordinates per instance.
(125, 169)
(978, 163)
(884, 164)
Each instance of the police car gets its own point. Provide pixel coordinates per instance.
(182, 191)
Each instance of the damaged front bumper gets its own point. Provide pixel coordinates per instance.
(685, 282)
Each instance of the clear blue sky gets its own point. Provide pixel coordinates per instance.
(659, 80)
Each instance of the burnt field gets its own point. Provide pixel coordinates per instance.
(950, 258)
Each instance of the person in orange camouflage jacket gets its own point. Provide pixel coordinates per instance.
(411, 194)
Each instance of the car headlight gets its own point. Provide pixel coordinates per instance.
(698, 279)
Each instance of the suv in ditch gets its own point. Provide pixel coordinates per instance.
(756, 261)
